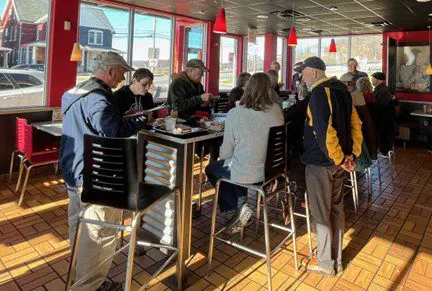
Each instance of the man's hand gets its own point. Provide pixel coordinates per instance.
(150, 117)
(349, 164)
(206, 97)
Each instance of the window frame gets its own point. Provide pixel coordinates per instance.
(237, 54)
(95, 32)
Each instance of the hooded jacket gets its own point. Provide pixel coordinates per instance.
(89, 109)
(185, 95)
(332, 127)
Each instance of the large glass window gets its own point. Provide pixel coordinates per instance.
(367, 50)
(101, 29)
(152, 49)
(336, 63)
(306, 47)
(21, 49)
(280, 56)
(255, 56)
(228, 63)
(194, 42)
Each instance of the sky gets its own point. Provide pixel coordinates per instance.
(2, 6)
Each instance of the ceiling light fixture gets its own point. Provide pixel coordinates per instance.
(333, 8)
(332, 48)
(262, 16)
(220, 23)
(201, 12)
(424, 1)
(292, 38)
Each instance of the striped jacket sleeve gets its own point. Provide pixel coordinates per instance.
(356, 132)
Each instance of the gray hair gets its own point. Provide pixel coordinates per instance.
(363, 84)
(242, 79)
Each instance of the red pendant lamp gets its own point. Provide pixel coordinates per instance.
(220, 24)
(332, 48)
(292, 38)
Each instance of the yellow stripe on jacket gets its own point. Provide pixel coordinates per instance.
(332, 141)
(356, 132)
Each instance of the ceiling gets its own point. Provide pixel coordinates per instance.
(351, 16)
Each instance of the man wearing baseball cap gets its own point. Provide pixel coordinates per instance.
(332, 138)
(89, 108)
(186, 93)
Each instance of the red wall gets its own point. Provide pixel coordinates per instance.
(270, 50)
(407, 37)
(61, 71)
(213, 55)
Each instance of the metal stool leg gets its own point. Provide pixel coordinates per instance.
(21, 168)
(379, 171)
(73, 255)
(23, 190)
(267, 242)
(11, 165)
(132, 244)
(213, 227)
(294, 234)
(258, 214)
(353, 189)
(180, 263)
(56, 167)
(122, 231)
(308, 225)
(200, 178)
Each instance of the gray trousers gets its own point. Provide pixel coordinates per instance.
(324, 186)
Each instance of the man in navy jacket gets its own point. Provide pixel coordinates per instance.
(89, 108)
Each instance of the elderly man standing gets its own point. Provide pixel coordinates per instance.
(332, 138)
(186, 93)
(89, 109)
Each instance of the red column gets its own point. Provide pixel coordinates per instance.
(61, 72)
(178, 47)
(289, 67)
(270, 50)
(213, 60)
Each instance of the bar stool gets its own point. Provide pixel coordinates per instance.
(275, 167)
(110, 180)
(354, 189)
(392, 163)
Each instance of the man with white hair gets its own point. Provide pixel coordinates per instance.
(332, 137)
(89, 108)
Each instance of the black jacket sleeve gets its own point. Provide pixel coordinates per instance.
(179, 96)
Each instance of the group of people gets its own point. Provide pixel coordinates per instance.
(332, 140)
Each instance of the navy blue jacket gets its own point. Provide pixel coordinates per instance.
(333, 127)
(89, 109)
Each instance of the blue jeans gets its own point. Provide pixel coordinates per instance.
(231, 197)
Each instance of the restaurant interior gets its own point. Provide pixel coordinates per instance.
(172, 234)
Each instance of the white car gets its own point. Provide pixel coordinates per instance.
(19, 88)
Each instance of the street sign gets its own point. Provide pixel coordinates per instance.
(153, 63)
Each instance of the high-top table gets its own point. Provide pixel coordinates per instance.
(51, 127)
(169, 160)
(428, 124)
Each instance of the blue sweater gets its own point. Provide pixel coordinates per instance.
(89, 109)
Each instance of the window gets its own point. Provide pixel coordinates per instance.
(367, 50)
(95, 37)
(25, 80)
(255, 56)
(104, 29)
(281, 56)
(152, 44)
(228, 63)
(306, 47)
(194, 36)
(5, 84)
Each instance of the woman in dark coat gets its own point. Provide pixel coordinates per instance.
(237, 92)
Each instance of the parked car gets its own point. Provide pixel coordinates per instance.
(21, 88)
(37, 67)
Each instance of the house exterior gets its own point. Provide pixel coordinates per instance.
(24, 30)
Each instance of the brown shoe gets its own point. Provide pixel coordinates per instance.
(313, 266)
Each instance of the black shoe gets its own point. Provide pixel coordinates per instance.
(239, 220)
(110, 286)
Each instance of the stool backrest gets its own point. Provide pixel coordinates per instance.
(24, 137)
(110, 172)
(276, 153)
(221, 105)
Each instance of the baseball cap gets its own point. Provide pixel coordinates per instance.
(347, 77)
(379, 76)
(110, 59)
(311, 62)
(196, 63)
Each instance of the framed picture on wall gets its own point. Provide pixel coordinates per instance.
(412, 61)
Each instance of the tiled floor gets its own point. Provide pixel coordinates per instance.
(387, 245)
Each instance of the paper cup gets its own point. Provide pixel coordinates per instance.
(170, 123)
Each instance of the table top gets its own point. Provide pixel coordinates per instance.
(51, 127)
(210, 135)
(421, 113)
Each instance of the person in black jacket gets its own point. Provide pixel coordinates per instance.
(237, 92)
(186, 93)
(332, 138)
(135, 97)
(384, 114)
